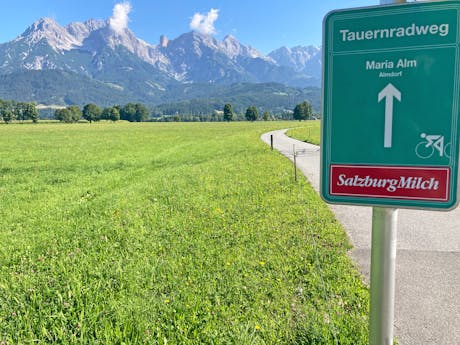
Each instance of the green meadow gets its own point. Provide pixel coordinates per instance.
(308, 131)
(167, 234)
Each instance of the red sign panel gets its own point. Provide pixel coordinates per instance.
(411, 183)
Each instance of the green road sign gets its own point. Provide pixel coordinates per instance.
(391, 105)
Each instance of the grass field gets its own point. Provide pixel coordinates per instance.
(167, 234)
(308, 131)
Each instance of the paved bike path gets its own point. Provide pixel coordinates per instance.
(427, 309)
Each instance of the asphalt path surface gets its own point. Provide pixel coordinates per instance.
(427, 306)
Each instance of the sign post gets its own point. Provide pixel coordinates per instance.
(390, 127)
(383, 246)
(383, 264)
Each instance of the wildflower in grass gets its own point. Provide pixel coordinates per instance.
(262, 263)
(257, 328)
(166, 301)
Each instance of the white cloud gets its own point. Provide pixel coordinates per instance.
(119, 20)
(204, 23)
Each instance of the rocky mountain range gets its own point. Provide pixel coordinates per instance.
(118, 66)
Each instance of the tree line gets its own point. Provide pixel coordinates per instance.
(137, 112)
(132, 112)
(21, 111)
(302, 111)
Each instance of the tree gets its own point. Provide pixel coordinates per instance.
(6, 111)
(252, 114)
(111, 113)
(75, 113)
(128, 112)
(303, 111)
(266, 116)
(142, 113)
(91, 112)
(134, 112)
(105, 114)
(30, 112)
(228, 112)
(63, 115)
(18, 110)
(68, 115)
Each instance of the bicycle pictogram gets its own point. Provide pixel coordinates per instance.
(430, 144)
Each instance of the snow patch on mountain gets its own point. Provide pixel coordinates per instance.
(40, 63)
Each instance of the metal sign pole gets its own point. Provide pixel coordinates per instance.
(383, 264)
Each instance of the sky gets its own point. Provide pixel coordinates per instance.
(264, 24)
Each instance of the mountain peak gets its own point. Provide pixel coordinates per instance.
(230, 38)
(81, 31)
(305, 59)
(44, 22)
(48, 30)
(203, 37)
(42, 25)
(195, 42)
(233, 48)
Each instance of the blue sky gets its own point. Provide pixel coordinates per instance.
(263, 24)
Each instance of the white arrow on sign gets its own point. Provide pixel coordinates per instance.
(388, 93)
